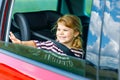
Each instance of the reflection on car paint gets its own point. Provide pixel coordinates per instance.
(109, 41)
(103, 39)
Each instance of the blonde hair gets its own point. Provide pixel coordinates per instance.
(74, 23)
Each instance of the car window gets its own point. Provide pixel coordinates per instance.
(66, 63)
(82, 11)
(93, 41)
(109, 51)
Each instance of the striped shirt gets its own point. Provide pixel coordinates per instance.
(51, 46)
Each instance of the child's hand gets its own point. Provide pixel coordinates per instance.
(14, 39)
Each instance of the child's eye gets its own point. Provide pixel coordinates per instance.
(58, 29)
(65, 30)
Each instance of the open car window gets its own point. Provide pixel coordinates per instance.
(25, 17)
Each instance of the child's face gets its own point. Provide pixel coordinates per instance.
(64, 34)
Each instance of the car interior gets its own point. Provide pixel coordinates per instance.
(38, 24)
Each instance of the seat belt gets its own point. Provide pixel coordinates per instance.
(64, 48)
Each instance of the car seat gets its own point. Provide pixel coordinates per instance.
(36, 25)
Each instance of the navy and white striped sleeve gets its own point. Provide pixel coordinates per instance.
(48, 45)
(78, 53)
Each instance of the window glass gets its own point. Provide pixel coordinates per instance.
(109, 52)
(110, 35)
(34, 5)
(94, 36)
(93, 44)
(103, 39)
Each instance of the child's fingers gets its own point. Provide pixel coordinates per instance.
(12, 35)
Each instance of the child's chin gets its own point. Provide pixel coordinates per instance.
(62, 41)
